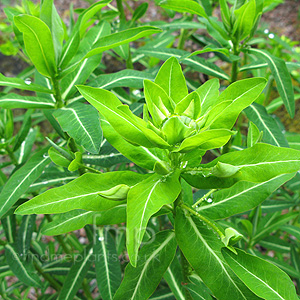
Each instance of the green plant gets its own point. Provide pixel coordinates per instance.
(176, 131)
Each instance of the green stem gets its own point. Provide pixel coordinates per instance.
(121, 9)
(182, 39)
(129, 64)
(235, 67)
(203, 198)
(58, 98)
(47, 277)
(12, 156)
(205, 220)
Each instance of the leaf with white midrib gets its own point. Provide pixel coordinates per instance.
(20, 181)
(22, 270)
(192, 234)
(141, 281)
(81, 121)
(271, 132)
(108, 270)
(282, 78)
(263, 278)
(76, 275)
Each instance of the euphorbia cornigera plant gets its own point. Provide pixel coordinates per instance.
(170, 141)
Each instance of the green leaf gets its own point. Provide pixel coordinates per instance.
(133, 129)
(24, 235)
(140, 282)
(108, 270)
(282, 78)
(139, 12)
(58, 158)
(200, 245)
(208, 92)
(20, 180)
(77, 219)
(188, 6)
(272, 134)
(171, 79)
(124, 78)
(50, 16)
(276, 244)
(38, 43)
(115, 40)
(241, 94)
(17, 101)
(245, 17)
(241, 197)
(292, 230)
(121, 38)
(272, 224)
(197, 289)
(144, 200)
(143, 157)
(198, 64)
(254, 135)
(263, 278)
(81, 193)
(23, 270)
(10, 227)
(81, 122)
(21, 84)
(174, 278)
(83, 71)
(77, 274)
(256, 164)
(205, 140)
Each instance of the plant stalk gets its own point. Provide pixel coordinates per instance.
(58, 98)
(205, 220)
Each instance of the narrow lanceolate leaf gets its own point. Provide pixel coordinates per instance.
(132, 128)
(171, 79)
(144, 200)
(18, 101)
(208, 92)
(202, 248)
(197, 289)
(121, 38)
(82, 193)
(20, 181)
(174, 278)
(233, 100)
(272, 134)
(10, 227)
(38, 43)
(77, 219)
(263, 278)
(197, 63)
(282, 78)
(82, 123)
(275, 222)
(188, 6)
(140, 282)
(24, 271)
(271, 162)
(108, 270)
(142, 156)
(124, 78)
(241, 197)
(24, 235)
(21, 84)
(77, 274)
